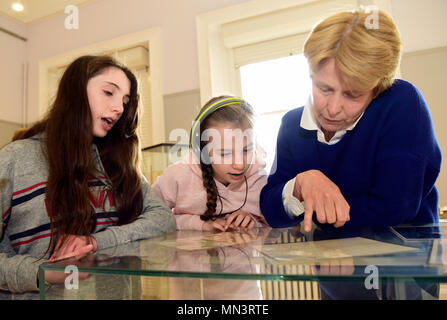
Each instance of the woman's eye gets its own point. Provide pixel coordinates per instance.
(352, 96)
(108, 93)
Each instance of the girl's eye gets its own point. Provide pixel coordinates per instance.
(108, 93)
(126, 101)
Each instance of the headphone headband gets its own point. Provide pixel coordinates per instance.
(195, 131)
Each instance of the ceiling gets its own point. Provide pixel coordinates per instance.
(37, 9)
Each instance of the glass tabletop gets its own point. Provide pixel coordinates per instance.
(404, 253)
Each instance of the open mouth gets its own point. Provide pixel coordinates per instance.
(236, 175)
(107, 123)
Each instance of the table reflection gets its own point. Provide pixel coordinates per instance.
(214, 261)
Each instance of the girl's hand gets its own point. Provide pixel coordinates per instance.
(239, 219)
(321, 195)
(214, 225)
(83, 260)
(72, 245)
(241, 237)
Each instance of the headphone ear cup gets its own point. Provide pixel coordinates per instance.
(195, 141)
(205, 155)
(199, 148)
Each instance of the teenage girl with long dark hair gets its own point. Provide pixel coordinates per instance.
(71, 183)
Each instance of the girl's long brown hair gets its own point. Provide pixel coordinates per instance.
(240, 113)
(68, 146)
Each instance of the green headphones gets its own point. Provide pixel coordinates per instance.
(194, 141)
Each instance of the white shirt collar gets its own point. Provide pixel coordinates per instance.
(308, 122)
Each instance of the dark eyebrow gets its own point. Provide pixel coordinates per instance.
(117, 86)
(113, 84)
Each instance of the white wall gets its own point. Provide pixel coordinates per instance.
(415, 68)
(422, 23)
(107, 19)
(423, 28)
(12, 59)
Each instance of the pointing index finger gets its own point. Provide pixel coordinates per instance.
(308, 211)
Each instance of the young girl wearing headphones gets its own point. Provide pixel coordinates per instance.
(217, 185)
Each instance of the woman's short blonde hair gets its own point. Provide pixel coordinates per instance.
(367, 55)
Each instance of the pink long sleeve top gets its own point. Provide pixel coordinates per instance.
(181, 188)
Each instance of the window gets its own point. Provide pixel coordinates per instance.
(274, 87)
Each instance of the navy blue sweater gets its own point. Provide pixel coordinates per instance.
(386, 167)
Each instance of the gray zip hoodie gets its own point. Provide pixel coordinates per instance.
(25, 225)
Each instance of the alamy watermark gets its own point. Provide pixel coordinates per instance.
(227, 146)
(72, 20)
(72, 280)
(372, 21)
(372, 280)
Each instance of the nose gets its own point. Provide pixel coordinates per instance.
(239, 162)
(118, 107)
(334, 105)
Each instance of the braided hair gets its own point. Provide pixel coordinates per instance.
(211, 189)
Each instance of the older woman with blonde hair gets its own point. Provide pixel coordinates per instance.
(362, 151)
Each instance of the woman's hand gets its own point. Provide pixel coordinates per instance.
(239, 219)
(71, 245)
(321, 195)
